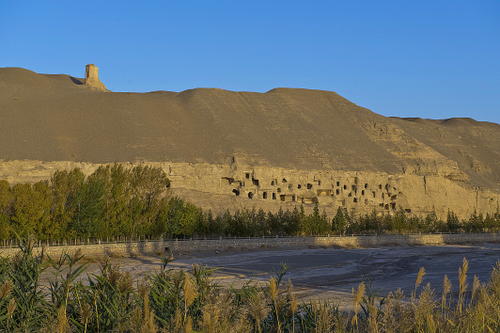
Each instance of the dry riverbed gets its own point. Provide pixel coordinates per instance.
(331, 273)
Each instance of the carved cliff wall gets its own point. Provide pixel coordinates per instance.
(234, 186)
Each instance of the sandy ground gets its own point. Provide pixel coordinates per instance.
(329, 273)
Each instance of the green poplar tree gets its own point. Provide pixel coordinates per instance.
(340, 222)
(5, 210)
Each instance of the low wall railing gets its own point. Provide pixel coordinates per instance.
(6, 244)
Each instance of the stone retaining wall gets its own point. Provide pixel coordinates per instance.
(191, 246)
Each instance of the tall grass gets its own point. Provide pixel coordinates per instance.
(180, 301)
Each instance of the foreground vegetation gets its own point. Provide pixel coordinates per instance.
(116, 201)
(178, 301)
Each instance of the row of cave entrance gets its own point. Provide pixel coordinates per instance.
(294, 198)
(308, 186)
(365, 191)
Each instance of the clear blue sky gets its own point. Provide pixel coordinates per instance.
(432, 59)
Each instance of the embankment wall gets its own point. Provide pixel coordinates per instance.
(224, 244)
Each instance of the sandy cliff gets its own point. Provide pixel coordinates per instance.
(234, 149)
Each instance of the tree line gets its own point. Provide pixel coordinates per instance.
(116, 201)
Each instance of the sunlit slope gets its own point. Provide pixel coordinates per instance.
(56, 118)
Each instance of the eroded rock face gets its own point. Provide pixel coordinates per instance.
(236, 186)
(92, 78)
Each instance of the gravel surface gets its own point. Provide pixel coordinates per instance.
(328, 273)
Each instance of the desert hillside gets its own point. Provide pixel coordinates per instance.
(232, 150)
(58, 118)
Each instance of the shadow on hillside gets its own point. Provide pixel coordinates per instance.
(77, 80)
